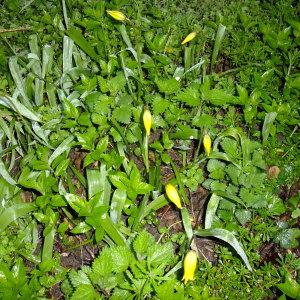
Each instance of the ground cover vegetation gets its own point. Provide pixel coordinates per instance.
(149, 149)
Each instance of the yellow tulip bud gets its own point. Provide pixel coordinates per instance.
(173, 195)
(147, 118)
(117, 15)
(189, 37)
(189, 266)
(207, 144)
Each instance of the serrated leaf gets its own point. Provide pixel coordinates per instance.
(121, 258)
(190, 96)
(123, 114)
(168, 86)
(102, 265)
(78, 278)
(160, 254)
(141, 244)
(86, 292)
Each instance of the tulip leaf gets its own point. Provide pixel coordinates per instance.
(227, 237)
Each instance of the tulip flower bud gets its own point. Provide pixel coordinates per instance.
(147, 118)
(207, 144)
(189, 266)
(189, 37)
(173, 195)
(117, 15)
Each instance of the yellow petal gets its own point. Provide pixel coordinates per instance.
(147, 119)
(189, 266)
(117, 15)
(207, 144)
(189, 37)
(173, 195)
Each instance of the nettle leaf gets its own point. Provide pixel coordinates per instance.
(159, 105)
(116, 84)
(160, 254)
(141, 244)
(85, 291)
(216, 169)
(204, 121)
(122, 114)
(168, 86)
(230, 146)
(102, 265)
(220, 97)
(78, 278)
(276, 206)
(243, 215)
(121, 258)
(233, 173)
(190, 96)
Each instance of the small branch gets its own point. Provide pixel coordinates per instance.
(2, 30)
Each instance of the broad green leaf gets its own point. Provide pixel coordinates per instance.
(19, 108)
(217, 45)
(79, 40)
(86, 292)
(117, 204)
(186, 221)
(64, 146)
(14, 212)
(4, 173)
(268, 122)
(141, 244)
(227, 237)
(211, 210)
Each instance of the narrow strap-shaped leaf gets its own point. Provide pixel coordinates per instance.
(64, 146)
(211, 209)
(14, 212)
(269, 119)
(19, 108)
(4, 173)
(80, 41)
(218, 41)
(117, 205)
(111, 230)
(15, 73)
(48, 244)
(186, 221)
(227, 237)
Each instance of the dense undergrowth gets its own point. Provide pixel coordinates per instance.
(84, 212)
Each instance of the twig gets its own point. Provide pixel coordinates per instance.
(2, 30)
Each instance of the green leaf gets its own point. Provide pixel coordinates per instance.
(102, 265)
(64, 146)
(168, 86)
(78, 278)
(122, 114)
(217, 45)
(85, 46)
(121, 258)
(160, 254)
(220, 97)
(204, 120)
(211, 210)
(117, 204)
(216, 169)
(268, 122)
(227, 237)
(243, 215)
(190, 96)
(85, 291)
(14, 212)
(290, 287)
(287, 238)
(187, 225)
(141, 244)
